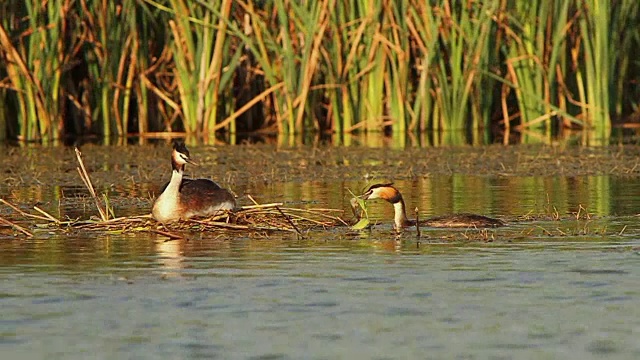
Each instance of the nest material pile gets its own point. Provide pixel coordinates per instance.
(266, 217)
(252, 218)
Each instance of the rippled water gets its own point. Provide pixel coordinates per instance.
(325, 297)
(538, 289)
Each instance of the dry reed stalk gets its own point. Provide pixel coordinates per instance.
(16, 226)
(289, 221)
(267, 217)
(417, 222)
(82, 171)
(298, 218)
(622, 231)
(25, 214)
(253, 219)
(259, 206)
(127, 218)
(214, 225)
(321, 213)
(46, 214)
(252, 199)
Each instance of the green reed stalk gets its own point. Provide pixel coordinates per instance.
(465, 53)
(18, 75)
(594, 31)
(537, 33)
(371, 109)
(359, 64)
(99, 19)
(314, 16)
(149, 32)
(199, 47)
(126, 74)
(186, 56)
(625, 15)
(525, 58)
(308, 22)
(183, 51)
(398, 85)
(423, 24)
(113, 62)
(289, 56)
(339, 65)
(35, 66)
(288, 63)
(259, 40)
(127, 87)
(219, 51)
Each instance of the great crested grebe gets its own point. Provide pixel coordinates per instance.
(183, 198)
(389, 193)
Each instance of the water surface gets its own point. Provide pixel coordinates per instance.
(539, 288)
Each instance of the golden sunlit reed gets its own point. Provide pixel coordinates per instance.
(144, 67)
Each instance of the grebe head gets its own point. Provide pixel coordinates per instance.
(383, 191)
(180, 155)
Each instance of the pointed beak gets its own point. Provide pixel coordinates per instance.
(189, 161)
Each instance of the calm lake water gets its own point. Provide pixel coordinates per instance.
(538, 289)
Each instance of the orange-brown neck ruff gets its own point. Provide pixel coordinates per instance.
(383, 191)
(390, 194)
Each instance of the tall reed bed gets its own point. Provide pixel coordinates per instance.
(33, 59)
(200, 67)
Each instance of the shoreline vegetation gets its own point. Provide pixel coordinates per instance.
(500, 69)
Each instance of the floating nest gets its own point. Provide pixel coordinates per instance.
(251, 219)
(254, 218)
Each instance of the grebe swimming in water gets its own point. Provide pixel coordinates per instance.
(391, 194)
(184, 198)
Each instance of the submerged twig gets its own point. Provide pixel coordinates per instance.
(171, 236)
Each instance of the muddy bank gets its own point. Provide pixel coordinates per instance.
(244, 165)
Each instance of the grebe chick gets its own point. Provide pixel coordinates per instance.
(391, 194)
(183, 198)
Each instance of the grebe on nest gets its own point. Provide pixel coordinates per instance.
(391, 194)
(183, 198)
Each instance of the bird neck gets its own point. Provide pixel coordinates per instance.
(400, 214)
(176, 180)
(176, 166)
